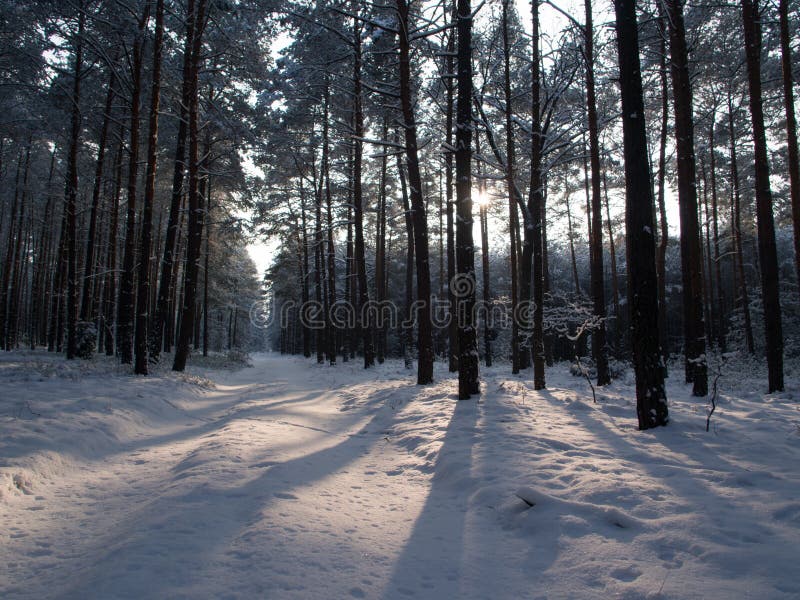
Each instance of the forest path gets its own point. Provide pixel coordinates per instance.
(283, 482)
(292, 480)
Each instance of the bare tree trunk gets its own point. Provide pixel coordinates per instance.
(651, 398)
(691, 255)
(571, 235)
(380, 254)
(327, 253)
(721, 307)
(513, 198)
(127, 300)
(487, 331)
(16, 256)
(465, 283)
(791, 128)
(358, 209)
(305, 270)
(111, 260)
(319, 265)
(663, 243)
(533, 224)
(408, 325)
(8, 264)
(72, 192)
(452, 330)
(196, 209)
(614, 275)
(736, 225)
(423, 315)
(89, 272)
(767, 250)
(164, 308)
(145, 258)
(596, 241)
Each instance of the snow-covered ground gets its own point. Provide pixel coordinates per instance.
(292, 480)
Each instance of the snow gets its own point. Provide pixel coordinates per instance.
(296, 480)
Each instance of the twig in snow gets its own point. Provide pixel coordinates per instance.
(586, 375)
(714, 396)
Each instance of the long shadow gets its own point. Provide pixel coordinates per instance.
(721, 517)
(438, 535)
(182, 544)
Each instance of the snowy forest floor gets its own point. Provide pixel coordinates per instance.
(293, 480)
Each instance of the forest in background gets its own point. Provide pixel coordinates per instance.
(134, 136)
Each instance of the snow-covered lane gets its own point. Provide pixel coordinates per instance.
(274, 472)
(294, 480)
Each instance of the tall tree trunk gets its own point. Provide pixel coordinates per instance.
(8, 264)
(598, 288)
(89, 272)
(691, 255)
(305, 270)
(767, 250)
(39, 293)
(358, 209)
(571, 235)
(330, 255)
(533, 224)
(196, 209)
(663, 242)
(319, 266)
(513, 198)
(145, 251)
(487, 331)
(111, 260)
(408, 323)
(127, 300)
(452, 329)
(163, 315)
(352, 289)
(423, 314)
(791, 128)
(17, 256)
(651, 398)
(708, 274)
(380, 254)
(72, 191)
(465, 283)
(721, 307)
(614, 275)
(736, 226)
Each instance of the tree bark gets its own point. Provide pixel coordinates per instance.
(127, 301)
(696, 370)
(736, 226)
(767, 250)
(422, 314)
(598, 287)
(72, 191)
(532, 249)
(651, 398)
(513, 198)
(145, 251)
(89, 272)
(791, 128)
(465, 284)
(196, 209)
(163, 316)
